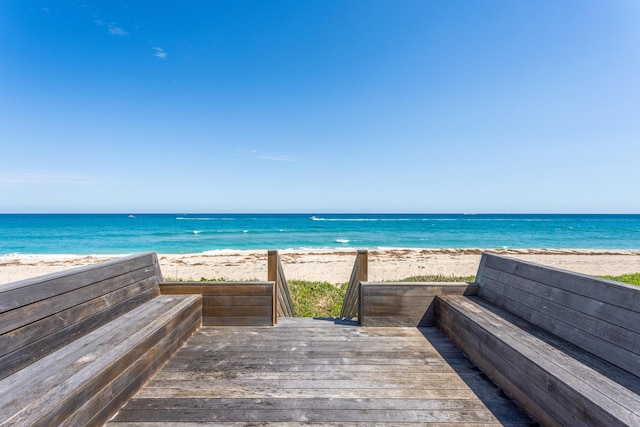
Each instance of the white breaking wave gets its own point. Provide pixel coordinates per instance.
(315, 218)
(180, 218)
(342, 241)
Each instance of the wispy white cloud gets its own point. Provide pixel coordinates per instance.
(42, 177)
(277, 158)
(115, 30)
(112, 27)
(159, 53)
(272, 157)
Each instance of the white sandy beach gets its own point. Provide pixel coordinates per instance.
(334, 266)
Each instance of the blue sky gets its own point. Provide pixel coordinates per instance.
(320, 106)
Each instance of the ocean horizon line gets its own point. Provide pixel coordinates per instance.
(312, 213)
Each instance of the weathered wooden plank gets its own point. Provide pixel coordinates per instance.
(120, 381)
(271, 375)
(299, 343)
(289, 309)
(188, 371)
(98, 359)
(552, 312)
(621, 357)
(43, 327)
(218, 288)
(597, 315)
(208, 300)
(230, 303)
(287, 404)
(347, 341)
(411, 289)
(39, 377)
(102, 405)
(407, 320)
(178, 392)
(229, 310)
(299, 424)
(186, 363)
(469, 339)
(529, 363)
(324, 353)
(593, 371)
(203, 382)
(615, 293)
(309, 415)
(556, 359)
(16, 360)
(405, 303)
(624, 318)
(237, 321)
(18, 294)
(350, 304)
(21, 316)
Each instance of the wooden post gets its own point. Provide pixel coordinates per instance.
(363, 276)
(272, 276)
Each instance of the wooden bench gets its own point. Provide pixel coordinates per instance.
(565, 346)
(76, 345)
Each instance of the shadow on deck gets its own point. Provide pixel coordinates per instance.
(319, 371)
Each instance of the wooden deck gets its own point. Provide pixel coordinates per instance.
(317, 372)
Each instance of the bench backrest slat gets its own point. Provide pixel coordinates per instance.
(40, 315)
(601, 316)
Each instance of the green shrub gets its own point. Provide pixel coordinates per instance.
(631, 278)
(316, 299)
(439, 278)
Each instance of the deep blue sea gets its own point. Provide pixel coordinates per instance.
(89, 234)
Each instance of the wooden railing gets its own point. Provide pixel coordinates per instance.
(360, 272)
(284, 306)
(230, 303)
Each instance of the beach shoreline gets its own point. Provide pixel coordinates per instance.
(333, 265)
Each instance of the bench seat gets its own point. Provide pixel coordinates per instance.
(555, 381)
(82, 382)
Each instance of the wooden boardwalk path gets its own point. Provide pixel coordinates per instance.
(316, 372)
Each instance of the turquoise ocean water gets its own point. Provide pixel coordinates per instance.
(88, 234)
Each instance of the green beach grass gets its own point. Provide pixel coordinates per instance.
(632, 278)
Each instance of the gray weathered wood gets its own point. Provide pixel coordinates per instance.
(360, 273)
(565, 346)
(230, 303)
(284, 306)
(39, 394)
(288, 374)
(598, 315)
(75, 345)
(25, 292)
(405, 303)
(620, 294)
(580, 394)
(38, 349)
(41, 315)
